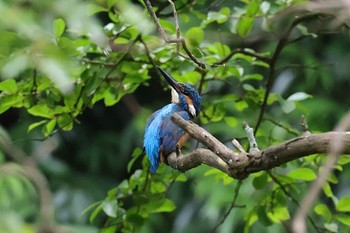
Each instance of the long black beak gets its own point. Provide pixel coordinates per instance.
(170, 80)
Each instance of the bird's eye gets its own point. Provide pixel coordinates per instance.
(185, 92)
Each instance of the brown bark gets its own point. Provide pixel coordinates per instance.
(240, 164)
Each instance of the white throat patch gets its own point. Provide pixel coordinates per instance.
(174, 96)
(192, 110)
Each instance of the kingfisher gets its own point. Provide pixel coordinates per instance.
(162, 136)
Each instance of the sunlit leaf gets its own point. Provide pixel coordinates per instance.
(231, 121)
(36, 124)
(344, 204)
(8, 86)
(244, 25)
(110, 207)
(6, 102)
(41, 110)
(298, 96)
(302, 174)
(195, 36)
(323, 210)
(279, 214)
(58, 27)
(328, 190)
(288, 106)
(344, 219)
(49, 127)
(162, 205)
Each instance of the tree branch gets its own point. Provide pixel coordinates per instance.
(241, 164)
(179, 39)
(283, 41)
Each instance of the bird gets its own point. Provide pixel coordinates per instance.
(162, 136)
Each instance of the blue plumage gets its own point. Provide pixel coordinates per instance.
(159, 141)
(162, 135)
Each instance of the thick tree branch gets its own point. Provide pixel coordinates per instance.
(240, 164)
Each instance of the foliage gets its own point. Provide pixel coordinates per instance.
(60, 61)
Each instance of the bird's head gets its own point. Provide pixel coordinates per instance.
(184, 95)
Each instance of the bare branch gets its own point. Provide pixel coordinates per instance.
(240, 165)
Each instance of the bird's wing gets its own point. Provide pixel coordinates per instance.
(151, 140)
(151, 118)
(170, 133)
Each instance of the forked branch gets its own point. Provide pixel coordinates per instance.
(241, 164)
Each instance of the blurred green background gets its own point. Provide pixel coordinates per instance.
(83, 162)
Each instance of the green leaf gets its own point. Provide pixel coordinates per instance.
(96, 8)
(302, 174)
(231, 121)
(322, 210)
(344, 219)
(135, 155)
(58, 27)
(90, 207)
(110, 207)
(181, 178)
(298, 96)
(262, 216)
(7, 102)
(163, 205)
(260, 182)
(36, 124)
(41, 110)
(9, 86)
(111, 97)
(188, 77)
(344, 159)
(95, 212)
(167, 26)
(195, 36)
(252, 77)
(288, 106)
(216, 16)
(65, 122)
(265, 7)
(244, 25)
(343, 204)
(49, 127)
(252, 9)
(279, 214)
(331, 227)
(327, 190)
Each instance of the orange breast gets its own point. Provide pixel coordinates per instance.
(182, 140)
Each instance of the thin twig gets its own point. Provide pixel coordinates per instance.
(177, 40)
(245, 52)
(288, 194)
(283, 41)
(233, 205)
